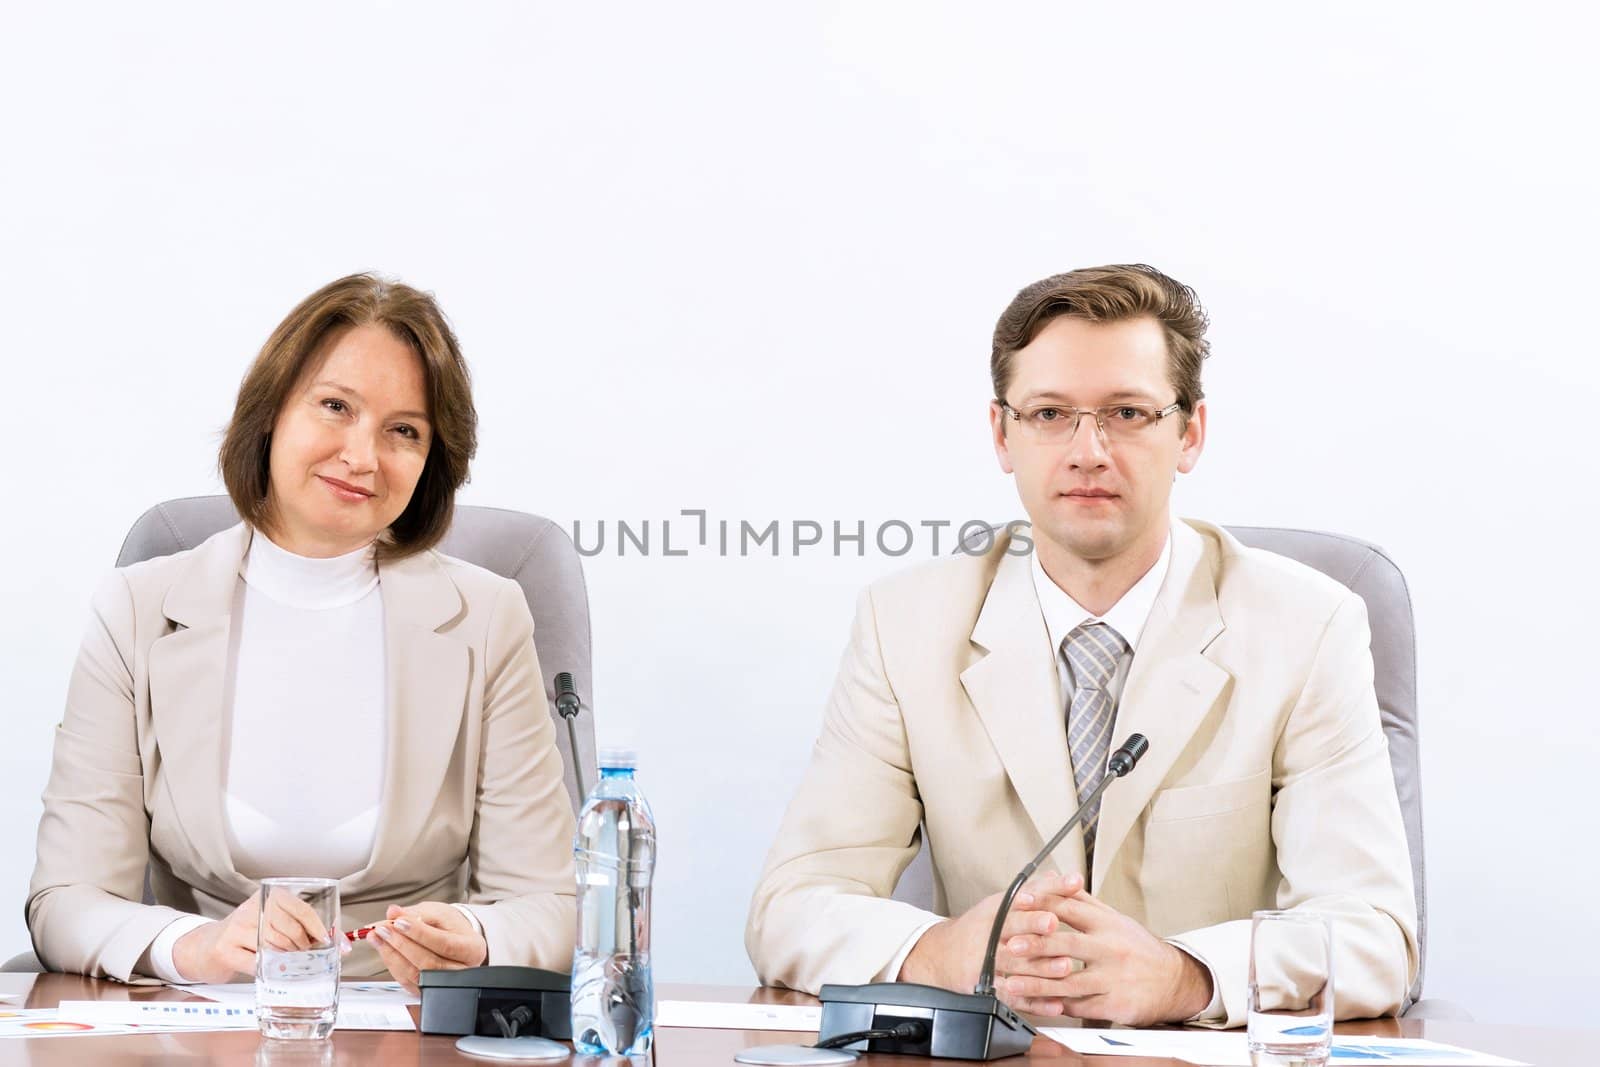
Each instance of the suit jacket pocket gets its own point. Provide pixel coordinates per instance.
(1205, 850)
(1216, 798)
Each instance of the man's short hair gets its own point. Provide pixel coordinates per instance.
(1109, 294)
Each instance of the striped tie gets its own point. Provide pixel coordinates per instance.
(1093, 651)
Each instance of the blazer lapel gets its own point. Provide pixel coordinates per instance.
(1170, 687)
(1016, 690)
(187, 675)
(427, 674)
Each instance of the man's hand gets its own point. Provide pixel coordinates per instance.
(219, 950)
(427, 937)
(950, 954)
(1129, 975)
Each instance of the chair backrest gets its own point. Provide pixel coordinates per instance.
(534, 552)
(1367, 571)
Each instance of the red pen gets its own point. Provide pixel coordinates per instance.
(357, 935)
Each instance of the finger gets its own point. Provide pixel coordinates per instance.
(1084, 983)
(1028, 922)
(1023, 987)
(400, 968)
(1045, 1006)
(1077, 985)
(283, 922)
(1032, 888)
(299, 912)
(1052, 897)
(458, 947)
(283, 933)
(1064, 941)
(419, 957)
(1082, 912)
(1047, 887)
(1039, 966)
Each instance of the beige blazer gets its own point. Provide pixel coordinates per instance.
(1267, 783)
(473, 807)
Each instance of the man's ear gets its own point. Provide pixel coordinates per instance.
(1193, 441)
(999, 423)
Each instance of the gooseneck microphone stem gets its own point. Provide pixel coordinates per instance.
(1122, 761)
(577, 765)
(568, 705)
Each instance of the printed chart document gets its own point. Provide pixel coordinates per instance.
(710, 1015)
(46, 1022)
(1213, 1049)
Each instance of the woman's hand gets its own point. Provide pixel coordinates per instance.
(219, 950)
(427, 937)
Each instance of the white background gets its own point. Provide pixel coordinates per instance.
(747, 257)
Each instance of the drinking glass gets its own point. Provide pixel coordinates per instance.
(297, 990)
(1290, 1011)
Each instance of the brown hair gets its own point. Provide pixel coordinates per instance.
(413, 317)
(1109, 294)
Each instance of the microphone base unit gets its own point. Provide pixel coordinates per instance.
(487, 1001)
(961, 1026)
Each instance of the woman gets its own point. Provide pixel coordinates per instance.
(314, 692)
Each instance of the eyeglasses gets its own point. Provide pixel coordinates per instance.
(1055, 424)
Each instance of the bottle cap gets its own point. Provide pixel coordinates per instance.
(618, 758)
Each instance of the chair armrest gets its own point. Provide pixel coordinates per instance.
(1438, 1008)
(25, 963)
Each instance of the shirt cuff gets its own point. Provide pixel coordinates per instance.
(1213, 1012)
(161, 948)
(477, 926)
(891, 973)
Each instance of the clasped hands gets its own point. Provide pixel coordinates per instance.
(1064, 952)
(421, 937)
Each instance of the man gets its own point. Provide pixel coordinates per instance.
(980, 697)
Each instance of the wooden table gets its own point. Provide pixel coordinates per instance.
(1545, 1047)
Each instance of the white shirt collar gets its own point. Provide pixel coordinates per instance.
(1127, 616)
(302, 582)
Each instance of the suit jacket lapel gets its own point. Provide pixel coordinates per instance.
(187, 674)
(1170, 687)
(1016, 690)
(427, 674)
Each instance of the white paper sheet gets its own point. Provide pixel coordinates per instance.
(364, 993)
(220, 1015)
(710, 1015)
(1213, 1049)
(1194, 1046)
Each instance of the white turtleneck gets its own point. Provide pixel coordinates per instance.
(305, 733)
(304, 725)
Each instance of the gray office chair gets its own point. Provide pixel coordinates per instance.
(1369, 572)
(533, 551)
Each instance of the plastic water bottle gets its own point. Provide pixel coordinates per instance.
(613, 997)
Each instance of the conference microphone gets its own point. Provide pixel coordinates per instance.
(963, 1026)
(568, 705)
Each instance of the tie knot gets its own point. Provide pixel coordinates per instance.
(1093, 650)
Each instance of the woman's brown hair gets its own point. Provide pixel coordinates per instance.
(412, 316)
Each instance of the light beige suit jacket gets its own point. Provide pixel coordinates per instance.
(473, 807)
(1267, 783)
